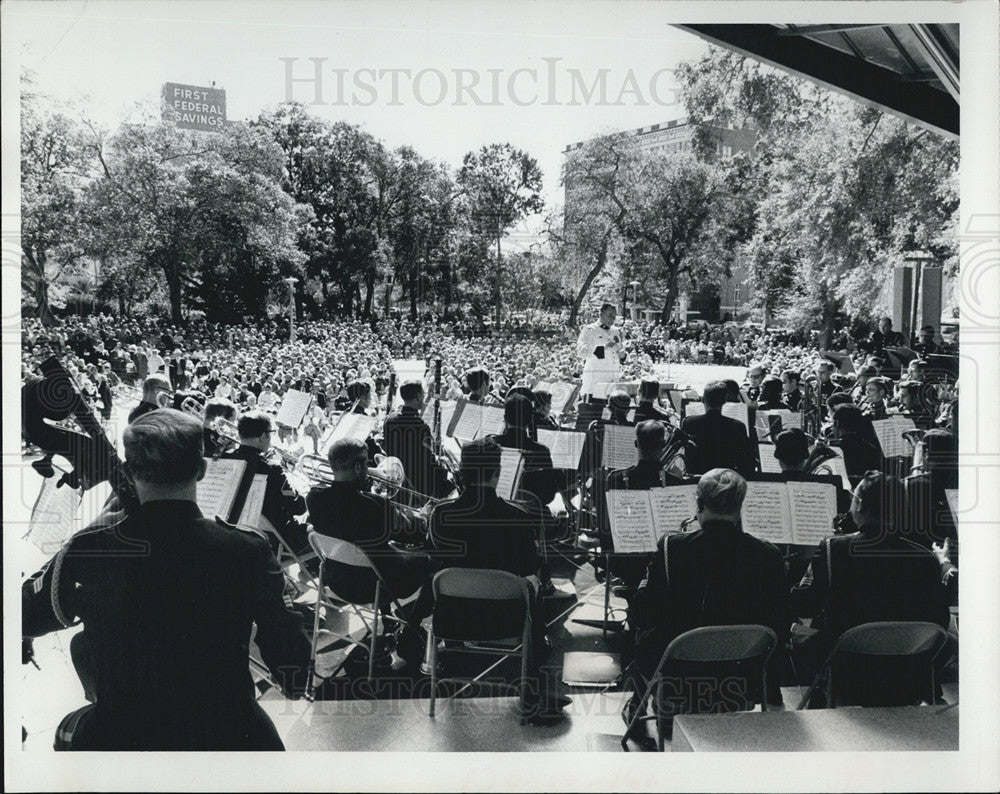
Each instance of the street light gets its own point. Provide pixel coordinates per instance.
(291, 281)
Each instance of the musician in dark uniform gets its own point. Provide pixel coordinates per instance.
(913, 405)
(345, 509)
(359, 392)
(543, 409)
(406, 436)
(927, 346)
(168, 599)
(477, 382)
(853, 433)
(755, 376)
(215, 409)
(771, 394)
(790, 388)
(826, 387)
(152, 387)
(649, 391)
(281, 503)
(538, 477)
(720, 442)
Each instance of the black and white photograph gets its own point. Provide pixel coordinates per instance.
(429, 396)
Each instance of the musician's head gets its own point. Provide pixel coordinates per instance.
(927, 334)
(847, 418)
(719, 496)
(477, 381)
(348, 460)
(480, 463)
(156, 390)
(732, 391)
(771, 389)
(755, 374)
(714, 395)
(825, 370)
(360, 391)
(649, 389)
(885, 325)
(619, 402)
(255, 429)
(878, 502)
(909, 395)
(790, 380)
(411, 392)
(543, 401)
(876, 390)
(523, 391)
(650, 439)
(791, 448)
(608, 314)
(917, 369)
(219, 407)
(517, 412)
(164, 455)
(941, 452)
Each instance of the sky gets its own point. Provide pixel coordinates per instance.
(112, 54)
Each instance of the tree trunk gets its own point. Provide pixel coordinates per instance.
(602, 258)
(42, 302)
(669, 300)
(174, 286)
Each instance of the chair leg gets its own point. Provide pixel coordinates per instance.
(315, 636)
(763, 690)
(374, 642)
(607, 596)
(659, 716)
(640, 709)
(526, 650)
(432, 655)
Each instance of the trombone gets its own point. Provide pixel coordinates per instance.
(221, 426)
(388, 476)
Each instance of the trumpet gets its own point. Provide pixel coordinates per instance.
(221, 426)
(388, 477)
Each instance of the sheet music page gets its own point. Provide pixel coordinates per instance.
(293, 408)
(55, 515)
(510, 472)
(890, 436)
(250, 515)
(694, 409)
(619, 450)
(789, 419)
(738, 411)
(353, 426)
(493, 421)
(470, 422)
(630, 516)
(562, 393)
(813, 507)
(447, 412)
(837, 467)
(951, 494)
(767, 513)
(565, 446)
(672, 505)
(217, 489)
(768, 463)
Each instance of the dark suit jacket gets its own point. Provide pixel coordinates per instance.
(406, 436)
(647, 410)
(168, 599)
(538, 475)
(720, 442)
(281, 502)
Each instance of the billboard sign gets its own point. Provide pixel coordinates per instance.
(194, 107)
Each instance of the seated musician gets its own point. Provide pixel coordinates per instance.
(913, 406)
(593, 448)
(929, 519)
(651, 441)
(826, 386)
(542, 399)
(406, 436)
(538, 477)
(927, 346)
(852, 431)
(281, 503)
(477, 382)
(347, 510)
(755, 376)
(872, 575)
(215, 409)
(875, 394)
(478, 529)
(359, 392)
(156, 392)
(859, 394)
(715, 576)
(791, 393)
(797, 459)
(720, 442)
(649, 392)
(771, 395)
(164, 645)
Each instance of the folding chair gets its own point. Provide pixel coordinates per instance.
(881, 641)
(345, 553)
(451, 588)
(286, 555)
(736, 646)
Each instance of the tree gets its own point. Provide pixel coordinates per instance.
(54, 168)
(502, 185)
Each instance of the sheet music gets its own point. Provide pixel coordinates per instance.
(562, 393)
(671, 506)
(766, 512)
(694, 409)
(293, 408)
(951, 494)
(768, 463)
(217, 489)
(353, 426)
(787, 420)
(738, 411)
(890, 436)
(469, 421)
(813, 507)
(837, 468)
(630, 516)
(250, 515)
(55, 515)
(447, 411)
(565, 446)
(510, 472)
(493, 421)
(619, 450)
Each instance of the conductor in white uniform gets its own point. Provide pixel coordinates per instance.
(600, 346)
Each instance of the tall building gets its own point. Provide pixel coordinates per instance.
(732, 296)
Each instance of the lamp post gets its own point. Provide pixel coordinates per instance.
(389, 278)
(635, 300)
(291, 281)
